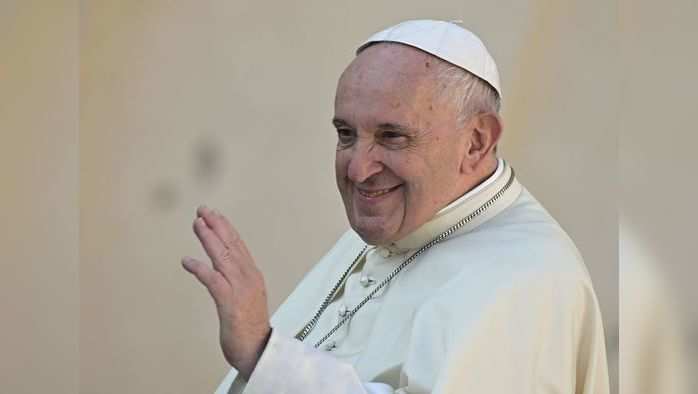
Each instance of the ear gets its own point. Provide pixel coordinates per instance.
(485, 130)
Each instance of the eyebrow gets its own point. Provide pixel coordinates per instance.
(395, 127)
(340, 122)
(383, 126)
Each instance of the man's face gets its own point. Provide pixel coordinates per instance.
(399, 149)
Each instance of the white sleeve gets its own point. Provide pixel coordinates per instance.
(290, 366)
(378, 388)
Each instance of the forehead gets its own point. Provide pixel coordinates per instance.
(387, 79)
(386, 63)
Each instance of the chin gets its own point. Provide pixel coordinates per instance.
(371, 240)
(372, 234)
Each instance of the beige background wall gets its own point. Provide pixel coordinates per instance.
(229, 104)
(658, 193)
(38, 197)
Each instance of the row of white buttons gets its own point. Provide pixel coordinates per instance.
(343, 309)
(365, 281)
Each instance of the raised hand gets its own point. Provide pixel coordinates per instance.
(236, 286)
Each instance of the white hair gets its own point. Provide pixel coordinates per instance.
(470, 94)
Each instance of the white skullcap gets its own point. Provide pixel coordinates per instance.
(445, 40)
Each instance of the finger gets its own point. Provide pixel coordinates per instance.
(224, 259)
(231, 238)
(228, 235)
(215, 283)
(220, 226)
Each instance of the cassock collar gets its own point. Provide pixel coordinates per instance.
(458, 209)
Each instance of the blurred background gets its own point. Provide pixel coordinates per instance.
(118, 118)
(657, 194)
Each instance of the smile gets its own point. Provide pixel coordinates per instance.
(376, 193)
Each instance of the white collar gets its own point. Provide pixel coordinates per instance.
(460, 208)
(497, 173)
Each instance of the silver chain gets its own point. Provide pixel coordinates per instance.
(313, 322)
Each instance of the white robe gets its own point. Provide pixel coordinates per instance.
(505, 305)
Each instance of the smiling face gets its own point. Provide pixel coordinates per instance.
(400, 148)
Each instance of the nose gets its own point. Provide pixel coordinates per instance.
(364, 162)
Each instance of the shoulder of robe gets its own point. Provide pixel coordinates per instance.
(524, 239)
(518, 306)
(520, 254)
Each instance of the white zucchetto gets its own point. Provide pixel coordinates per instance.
(445, 40)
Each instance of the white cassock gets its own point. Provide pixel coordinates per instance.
(503, 305)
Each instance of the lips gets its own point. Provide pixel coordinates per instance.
(377, 192)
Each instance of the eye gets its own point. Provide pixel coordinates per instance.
(391, 135)
(345, 136)
(393, 139)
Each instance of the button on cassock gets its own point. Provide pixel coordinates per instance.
(343, 310)
(330, 346)
(366, 280)
(384, 252)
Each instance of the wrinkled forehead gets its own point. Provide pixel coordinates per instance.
(390, 82)
(388, 61)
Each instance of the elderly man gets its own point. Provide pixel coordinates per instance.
(453, 279)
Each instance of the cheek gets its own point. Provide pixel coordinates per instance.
(340, 165)
(419, 180)
(404, 171)
(409, 170)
